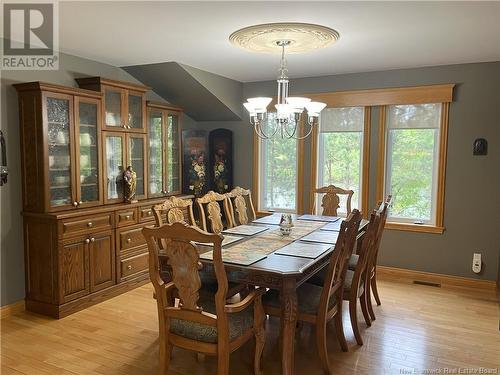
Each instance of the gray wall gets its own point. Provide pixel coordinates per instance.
(472, 202)
(12, 258)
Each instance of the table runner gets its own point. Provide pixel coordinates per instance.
(258, 247)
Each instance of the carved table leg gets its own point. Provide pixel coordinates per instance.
(288, 323)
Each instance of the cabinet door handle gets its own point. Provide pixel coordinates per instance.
(90, 224)
(129, 240)
(79, 203)
(92, 239)
(129, 267)
(149, 213)
(127, 217)
(75, 203)
(87, 240)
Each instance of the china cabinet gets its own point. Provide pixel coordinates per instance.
(124, 103)
(60, 146)
(82, 243)
(164, 137)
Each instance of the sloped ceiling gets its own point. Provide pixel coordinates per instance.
(204, 96)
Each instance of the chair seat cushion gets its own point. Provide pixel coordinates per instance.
(349, 276)
(353, 261)
(308, 297)
(239, 323)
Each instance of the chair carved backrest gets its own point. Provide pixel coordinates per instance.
(383, 211)
(337, 268)
(331, 200)
(210, 208)
(242, 210)
(182, 256)
(175, 210)
(366, 250)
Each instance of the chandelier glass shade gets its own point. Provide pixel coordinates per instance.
(291, 111)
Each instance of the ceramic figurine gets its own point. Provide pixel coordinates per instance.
(130, 185)
(286, 224)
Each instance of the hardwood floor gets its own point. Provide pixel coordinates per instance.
(417, 327)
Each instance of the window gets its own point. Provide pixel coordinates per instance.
(412, 153)
(278, 172)
(340, 154)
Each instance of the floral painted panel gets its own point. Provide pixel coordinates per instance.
(195, 166)
(221, 160)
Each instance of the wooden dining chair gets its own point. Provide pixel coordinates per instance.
(210, 208)
(195, 321)
(355, 282)
(174, 210)
(320, 304)
(177, 210)
(242, 210)
(331, 201)
(371, 283)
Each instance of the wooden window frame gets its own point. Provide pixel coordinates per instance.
(438, 227)
(441, 93)
(299, 203)
(365, 166)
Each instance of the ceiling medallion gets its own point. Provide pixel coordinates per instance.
(303, 37)
(289, 111)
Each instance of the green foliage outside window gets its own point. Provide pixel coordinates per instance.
(411, 173)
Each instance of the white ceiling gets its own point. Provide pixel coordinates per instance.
(373, 35)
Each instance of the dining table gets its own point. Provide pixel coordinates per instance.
(259, 254)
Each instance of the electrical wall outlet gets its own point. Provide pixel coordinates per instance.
(476, 263)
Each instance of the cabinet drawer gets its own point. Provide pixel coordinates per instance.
(97, 222)
(130, 238)
(126, 217)
(146, 214)
(134, 265)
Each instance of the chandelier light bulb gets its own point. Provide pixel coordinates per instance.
(314, 108)
(260, 102)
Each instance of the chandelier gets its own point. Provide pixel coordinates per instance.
(289, 112)
(289, 109)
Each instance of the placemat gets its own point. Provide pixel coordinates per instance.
(321, 236)
(246, 230)
(248, 252)
(333, 226)
(304, 249)
(328, 219)
(226, 241)
(273, 219)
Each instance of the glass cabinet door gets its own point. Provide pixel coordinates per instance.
(135, 115)
(156, 165)
(114, 151)
(173, 154)
(113, 107)
(87, 140)
(59, 112)
(136, 159)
